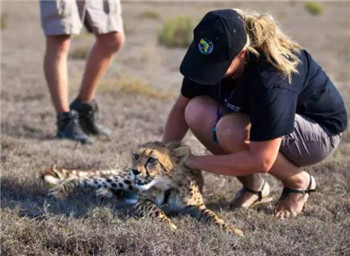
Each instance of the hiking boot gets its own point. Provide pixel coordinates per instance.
(87, 117)
(68, 127)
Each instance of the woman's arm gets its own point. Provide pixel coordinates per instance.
(259, 158)
(176, 126)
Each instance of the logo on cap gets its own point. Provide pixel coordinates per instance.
(205, 46)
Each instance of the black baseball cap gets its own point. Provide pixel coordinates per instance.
(217, 40)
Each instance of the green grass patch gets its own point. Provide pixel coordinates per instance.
(150, 14)
(176, 32)
(80, 52)
(313, 8)
(84, 34)
(3, 21)
(132, 85)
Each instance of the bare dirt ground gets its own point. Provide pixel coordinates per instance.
(33, 224)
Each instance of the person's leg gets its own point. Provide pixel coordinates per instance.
(307, 145)
(203, 106)
(290, 175)
(55, 69)
(102, 52)
(56, 74)
(200, 116)
(233, 135)
(105, 21)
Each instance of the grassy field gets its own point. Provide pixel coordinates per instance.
(146, 79)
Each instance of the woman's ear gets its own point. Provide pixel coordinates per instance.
(172, 145)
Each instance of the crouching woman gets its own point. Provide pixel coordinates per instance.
(260, 104)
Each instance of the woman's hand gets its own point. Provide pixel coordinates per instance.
(191, 162)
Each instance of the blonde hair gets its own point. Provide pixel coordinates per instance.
(265, 37)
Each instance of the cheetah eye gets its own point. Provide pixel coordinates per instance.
(152, 160)
(135, 157)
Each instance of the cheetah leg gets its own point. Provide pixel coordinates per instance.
(63, 189)
(104, 193)
(149, 209)
(201, 212)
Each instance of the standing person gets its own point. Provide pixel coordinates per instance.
(60, 19)
(260, 104)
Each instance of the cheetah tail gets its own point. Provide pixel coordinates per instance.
(54, 176)
(88, 179)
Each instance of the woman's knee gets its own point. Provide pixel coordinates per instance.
(198, 110)
(233, 131)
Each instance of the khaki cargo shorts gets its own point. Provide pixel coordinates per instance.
(308, 144)
(66, 17)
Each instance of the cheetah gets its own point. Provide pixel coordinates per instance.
(159, 176)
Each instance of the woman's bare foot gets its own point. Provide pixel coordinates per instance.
(293, 201)
(246, 198)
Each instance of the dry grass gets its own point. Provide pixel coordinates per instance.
(130, 85)
(313, 7)
(34, 224)
(80, 52)
(176, 32)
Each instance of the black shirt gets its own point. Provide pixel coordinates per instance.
(271, 101)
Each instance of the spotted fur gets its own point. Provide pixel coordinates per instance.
(159, 176)
(107, 183)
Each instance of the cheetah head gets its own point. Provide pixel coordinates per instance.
(153, 163)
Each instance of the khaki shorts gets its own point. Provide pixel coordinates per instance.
(308, 144)
(66, 17)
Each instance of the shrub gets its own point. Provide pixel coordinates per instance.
(3, 21)
(313, 8)
(84, 34)
(176, 32)
(131, 85)
(80, 52)
(150, 14)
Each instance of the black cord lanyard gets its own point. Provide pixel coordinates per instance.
(218, 112)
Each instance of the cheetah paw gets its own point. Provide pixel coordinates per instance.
(231, 229)
(104, 193)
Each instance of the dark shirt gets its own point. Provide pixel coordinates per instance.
(271, 101)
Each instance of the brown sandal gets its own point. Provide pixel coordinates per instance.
(287, 191)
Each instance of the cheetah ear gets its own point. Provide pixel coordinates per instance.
(172, 145)
(179, 152)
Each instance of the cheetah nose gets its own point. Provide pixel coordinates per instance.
(135, 172)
